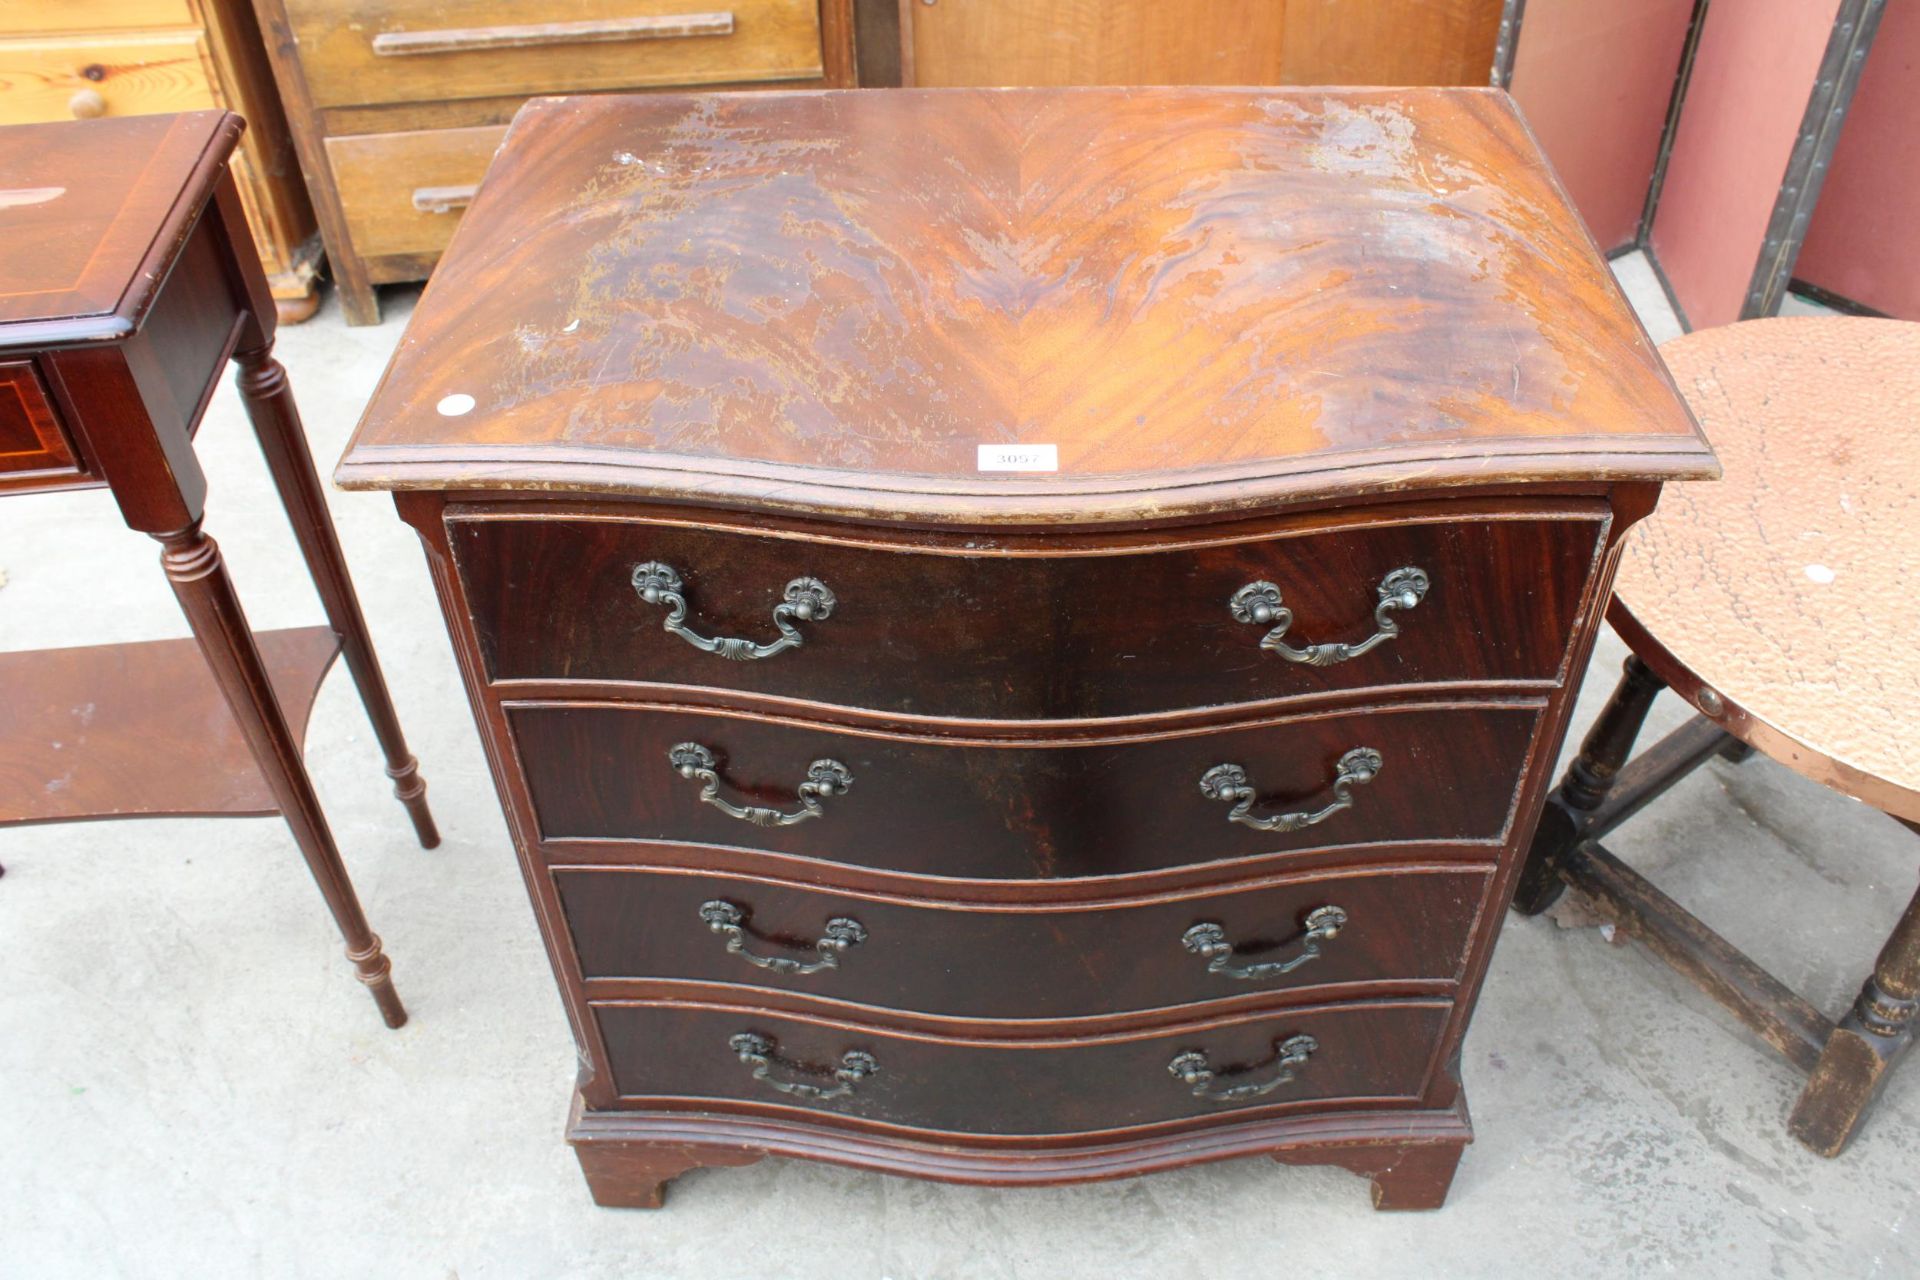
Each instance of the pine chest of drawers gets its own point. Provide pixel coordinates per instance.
(1021, 634)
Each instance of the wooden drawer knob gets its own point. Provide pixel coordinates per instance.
(87, 104)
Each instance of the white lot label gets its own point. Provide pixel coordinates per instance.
(1019, 457)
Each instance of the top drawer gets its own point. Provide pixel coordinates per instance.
(1039, 632)
(372, 51)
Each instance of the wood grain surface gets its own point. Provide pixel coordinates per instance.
(151, 74)
(141, 730)
(1060, 632)
(1024, 810)
(677, 1053)
(1227, 42)
(770, 40)
(1405, 927)
(1197, 297)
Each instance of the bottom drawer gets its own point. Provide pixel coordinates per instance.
(1324, 1056)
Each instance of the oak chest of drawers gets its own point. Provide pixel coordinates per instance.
(1021, 633)
(397, 105)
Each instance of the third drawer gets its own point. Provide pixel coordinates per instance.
(1399, 924)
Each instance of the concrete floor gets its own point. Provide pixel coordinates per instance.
(192, 1084)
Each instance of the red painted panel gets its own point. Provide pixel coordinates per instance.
(1864, 242)
(1594, 78)
(1751, 80)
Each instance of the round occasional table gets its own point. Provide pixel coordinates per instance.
(1780, 604)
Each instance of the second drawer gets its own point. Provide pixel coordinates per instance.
(1009, 961)
(1402, 774)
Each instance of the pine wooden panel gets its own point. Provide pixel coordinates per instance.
(147, 75)
(44, 17)
(1241, 42)
(771, 40)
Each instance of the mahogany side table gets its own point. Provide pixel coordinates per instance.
(127, 281)
(1777, 604)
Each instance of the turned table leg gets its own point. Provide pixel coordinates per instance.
(1589, 778)
(1862, 1051)
(276, 420)
(194, 567)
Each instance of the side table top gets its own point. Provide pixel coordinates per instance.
(1781, 600)
(1021, 305)
(92, 213)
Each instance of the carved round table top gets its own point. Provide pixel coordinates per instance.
(1784, 600)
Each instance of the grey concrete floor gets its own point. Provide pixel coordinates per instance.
(192, 1084)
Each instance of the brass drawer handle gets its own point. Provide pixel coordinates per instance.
(1229, 782)
(824, 778)
(806, 599)
(729, 919)
(1209, 942)
(443, 199)
(674, 26)
(762, 1054)
(1194, 1070)
(1259, 603)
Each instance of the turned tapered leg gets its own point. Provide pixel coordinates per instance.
(1589, 778)
(199, 578)
(1862, 1051)
(276, 420)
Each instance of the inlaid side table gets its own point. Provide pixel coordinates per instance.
(1778, 604)
(127, 282)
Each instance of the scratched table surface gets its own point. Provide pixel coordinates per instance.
(1789, 589)
(1169, 300)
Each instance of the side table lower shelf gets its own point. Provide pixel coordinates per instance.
(141, 730)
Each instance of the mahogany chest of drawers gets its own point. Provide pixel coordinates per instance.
(1021, 634)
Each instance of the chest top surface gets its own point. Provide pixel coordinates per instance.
(92, 213)
(1176, 300)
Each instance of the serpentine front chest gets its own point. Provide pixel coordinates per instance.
(1021, 633)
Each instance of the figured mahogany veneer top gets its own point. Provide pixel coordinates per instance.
(92, 214)
(1201, 298)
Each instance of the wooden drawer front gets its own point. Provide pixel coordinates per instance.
(1048, 961)
(1022, 637)
(143, 75)
(1018, 811)
(1362, 1052)
(372, 51)
(31, 439)
(404, 192)
(25, 17)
